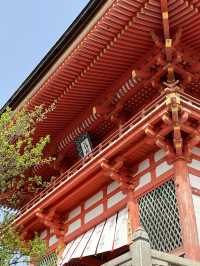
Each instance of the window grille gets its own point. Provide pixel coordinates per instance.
(159, 217)
(50, 260)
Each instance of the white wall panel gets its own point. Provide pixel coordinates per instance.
(144, 180)
(93, 213)
(194, 181)
(112, 186)
(74, 212)
(159, 155)
(162, 168)
(52, 240)
(92, 200)
(195, 164)
(73, 226)
(143, 165)
(196, 202)
(115, 199)
(196, 150)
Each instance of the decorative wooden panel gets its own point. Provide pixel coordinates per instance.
(106, 236)
(160, 218)
(196, 202)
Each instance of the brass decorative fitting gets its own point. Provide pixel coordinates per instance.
(168, 43)
(165, 15)
(178, 144)
(172, 98)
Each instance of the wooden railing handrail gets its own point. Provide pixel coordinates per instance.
(108, 141)
(172, 259)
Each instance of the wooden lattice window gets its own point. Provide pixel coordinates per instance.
(160, 218)
(50, 260)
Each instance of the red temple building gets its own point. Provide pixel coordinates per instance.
(125, 132)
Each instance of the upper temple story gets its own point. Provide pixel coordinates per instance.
(124, 83)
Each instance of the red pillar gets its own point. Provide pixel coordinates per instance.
(133, 210)
(186, 210)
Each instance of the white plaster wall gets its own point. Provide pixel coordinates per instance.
(115, 199)
(93, 213)
(92, 200)
(112, 186)
(159, 155)
(162, 168)
(196, 150)
(196, 202)
(74, 212)
(194, 181)
(144, 180)
(73, 226)
(143, 165)
(195, 164)
(52, 240)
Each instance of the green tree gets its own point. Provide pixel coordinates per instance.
(14, 250)
(20, 152)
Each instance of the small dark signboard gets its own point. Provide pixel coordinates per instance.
(83, 145)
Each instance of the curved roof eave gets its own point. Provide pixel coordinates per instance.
(54, 53)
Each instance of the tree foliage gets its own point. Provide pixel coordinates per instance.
(14, 250)
(19, 152)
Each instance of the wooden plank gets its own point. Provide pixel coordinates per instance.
(72, 249)
(79, 250)
(94, 240)
(107, 237)
(121, 232)
(67, 248)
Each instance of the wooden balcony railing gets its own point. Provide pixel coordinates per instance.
(134, 123)
(141, 254)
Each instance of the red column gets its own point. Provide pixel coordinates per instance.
(133, 210)
(186, 210)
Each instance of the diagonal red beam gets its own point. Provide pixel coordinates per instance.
(166, 31)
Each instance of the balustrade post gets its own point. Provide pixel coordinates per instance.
(140, 249)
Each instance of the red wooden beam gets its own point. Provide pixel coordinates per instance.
(165, 20)
(186, 210)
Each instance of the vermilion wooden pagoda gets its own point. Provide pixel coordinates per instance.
(125, 80)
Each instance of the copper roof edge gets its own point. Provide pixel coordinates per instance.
(54, 53)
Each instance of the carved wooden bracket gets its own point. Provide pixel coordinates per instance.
(51, 221)
(121, 173)
(186, 134)
(160, 141)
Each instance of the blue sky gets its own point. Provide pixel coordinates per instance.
(28, 29)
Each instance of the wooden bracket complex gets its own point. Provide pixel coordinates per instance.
(120, 173)
(51, 221)
(176, 121)
(124, 175)
(160, 140)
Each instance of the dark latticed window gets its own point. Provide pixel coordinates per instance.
(50, 260)
(160, 218)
